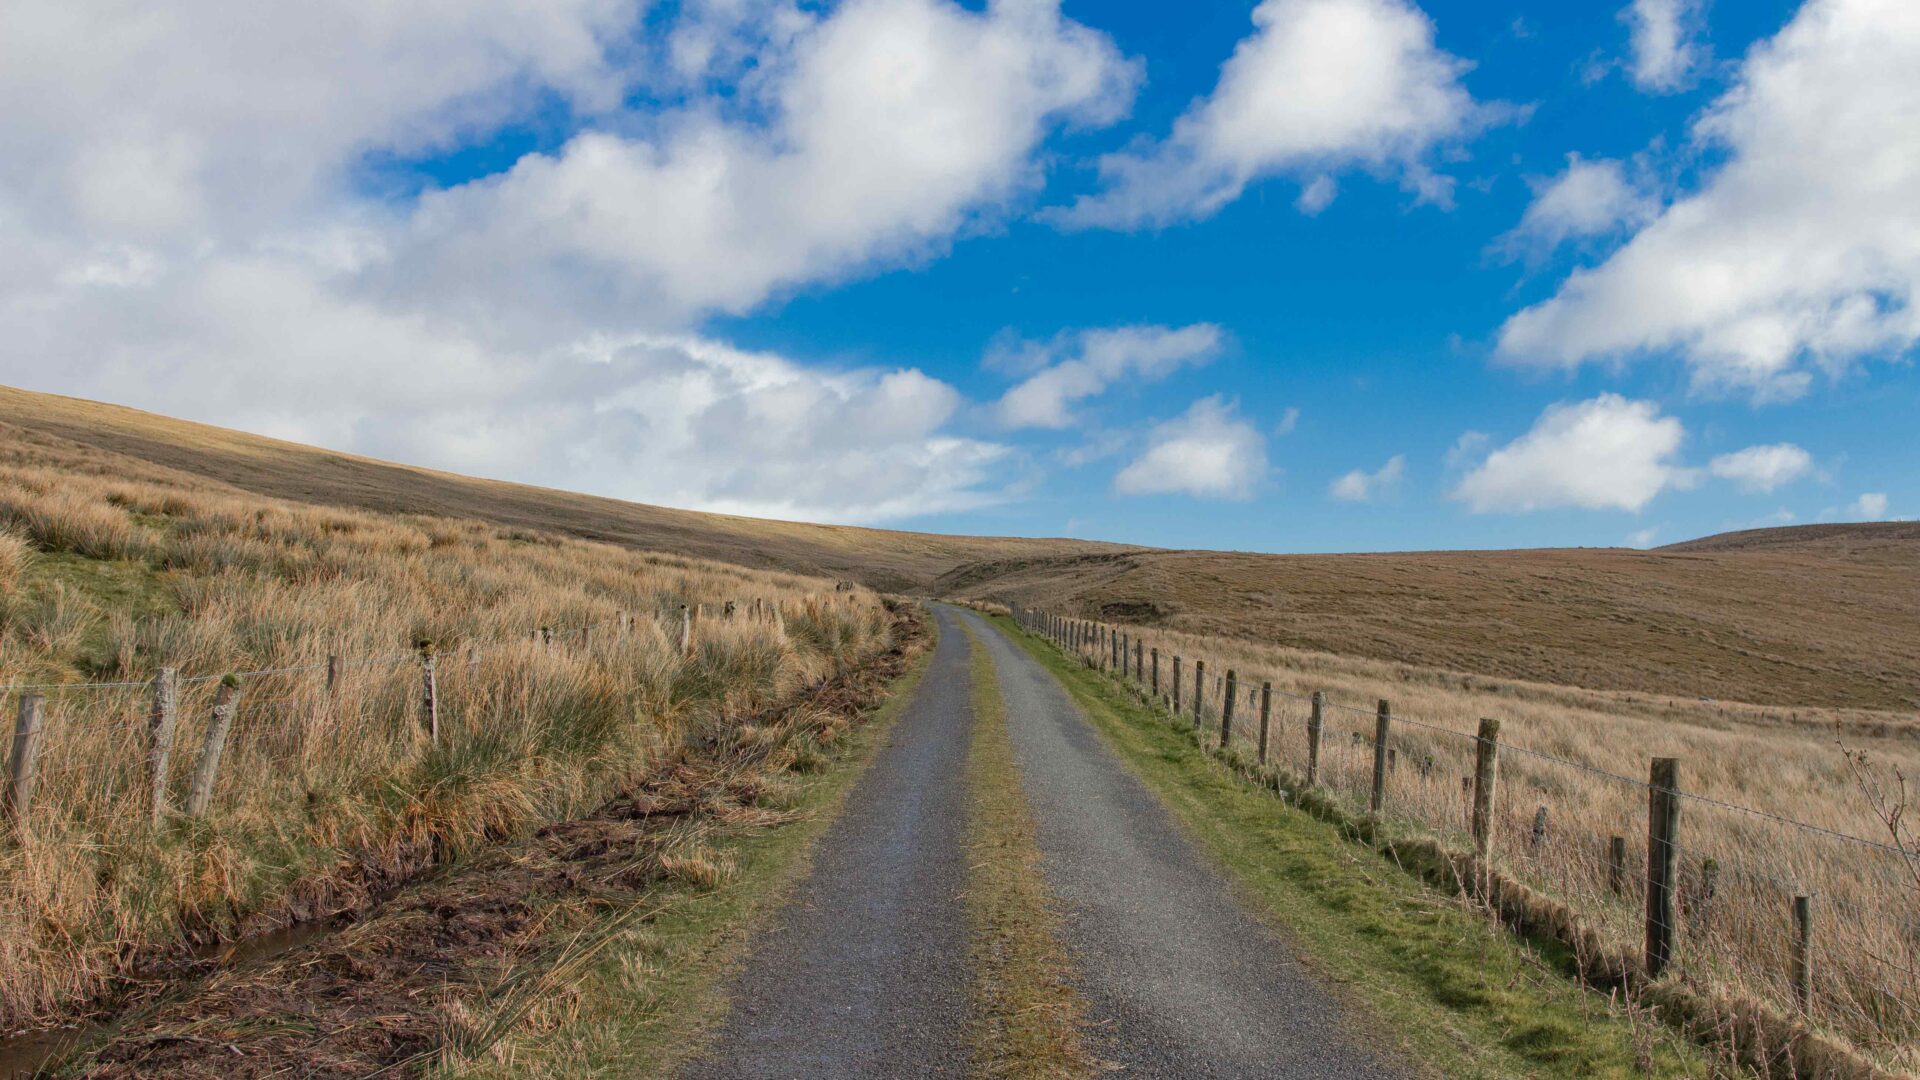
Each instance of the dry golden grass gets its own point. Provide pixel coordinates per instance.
(1804, 620)
(111, 568)
(1583, 755)
(881, 558)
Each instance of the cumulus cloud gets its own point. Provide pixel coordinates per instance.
(1801, 252)
(1763, 468)
(200, 217)
(1590, 198)
(1607, 453)
(1320, 86)
(1662, 34)
(1871, 506)
(1363, 486)
(1077, 366)
(1209, 452)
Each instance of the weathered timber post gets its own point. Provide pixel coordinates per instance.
(1176, 686)
(1316, 726)
(333, 674)
(21, 773)
(208, 767)
(1199, 688)
(1266, 714)
(1617, 865)
(1226, 710)
(1381, 720)
(1803, 952)
(1663, 829)
(1539, 825)
(166, 698)
(429, 694)
(1486, 780)
(1139, 658)
(686, 630)
(1156, 673)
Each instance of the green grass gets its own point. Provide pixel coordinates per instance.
(1452, 990)
(87, 589)
(1027, 1017)
(655, 992)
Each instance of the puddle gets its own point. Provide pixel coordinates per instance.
(30, 1054)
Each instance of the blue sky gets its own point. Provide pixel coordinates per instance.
(1308, 275)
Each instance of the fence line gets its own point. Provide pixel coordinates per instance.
(1727, 915)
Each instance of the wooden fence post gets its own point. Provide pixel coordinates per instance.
(1226, 710)
(166, 698)
(686, 630)
(1663, 829)
(1199, 688)
(1176, 686)
(1156, 673)
(429, 694)
(1381, 720)
(1316, 726)
(1486, 779)
(208, 766)
(1540, 825)
(21, 774)
(1617, 865)
(1803, 952)
(1139, 660)
(1266, 713)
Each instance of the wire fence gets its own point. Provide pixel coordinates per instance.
(1819, 924)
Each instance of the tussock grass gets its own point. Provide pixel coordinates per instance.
(113, 569)
(1583, 755)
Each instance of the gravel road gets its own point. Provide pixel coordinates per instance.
(865, 974)
(1179, 979)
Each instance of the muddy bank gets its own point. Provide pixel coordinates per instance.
(409, 974)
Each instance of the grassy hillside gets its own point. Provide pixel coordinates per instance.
(1829, 619)
(1823, 616)
(333, 780)
(883, 559)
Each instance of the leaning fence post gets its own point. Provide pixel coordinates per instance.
(1266, 712)
(1486, 779)
(208, 766)
(1199, 688)
(1617, 865)
(1226, 711)
(1803, 952)
(166, 697)
(1381, 720)
(21, 774)
(429, 694)
(1316, 725)
(1663, 828)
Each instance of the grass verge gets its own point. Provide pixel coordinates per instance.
(1455, 992)
(1028, 1018)
(653, 990)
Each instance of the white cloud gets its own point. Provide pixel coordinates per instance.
(1288, 421)
(1801, 251)
(1208, 452)
(1320, 85)
(1664, 52)
(1607, 453)
(1590, 198)
(198, 220)
(1763, 468)
(1871, 506)
(1094, 360)
(1362, 486)
(1642, 538)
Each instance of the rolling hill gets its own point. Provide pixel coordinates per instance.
(1825, 615)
